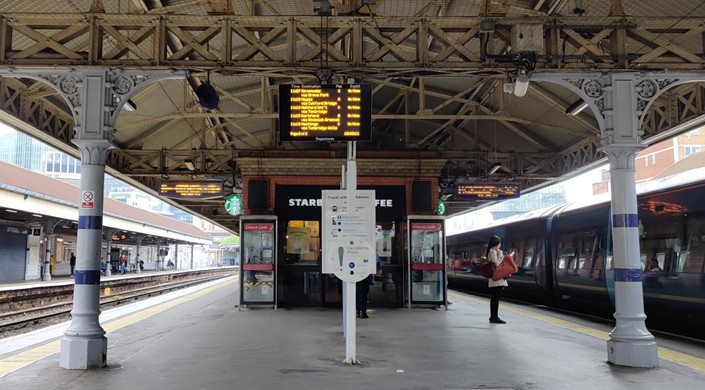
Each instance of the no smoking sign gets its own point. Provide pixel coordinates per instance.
(87, 200)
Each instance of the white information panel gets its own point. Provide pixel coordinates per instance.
(348, 234)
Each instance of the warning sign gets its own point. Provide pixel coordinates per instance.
(87, 199)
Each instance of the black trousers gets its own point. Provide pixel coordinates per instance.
(362, 290)
(495, 294)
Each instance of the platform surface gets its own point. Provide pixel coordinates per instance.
(199, 339)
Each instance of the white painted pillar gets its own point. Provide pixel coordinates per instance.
(49, 241)
(95, 96)
(137, 259)
(630, 343)
(109, 244)
(84, 344)
(620, 102)
(176, 256)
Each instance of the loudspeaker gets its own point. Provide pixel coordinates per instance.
(258, 194)
(421, 196)
(207, 96)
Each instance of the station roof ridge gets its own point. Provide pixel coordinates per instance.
(61, 192)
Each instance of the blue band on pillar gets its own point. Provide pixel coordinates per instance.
(627, 275)
(94, 222)
(625, 220)
(87, 277)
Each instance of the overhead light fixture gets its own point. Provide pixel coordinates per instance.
(521, 84)
(37, 215)
(494, 168)
(189, 165)
(576, 107)
(207, 95)
(130, 105)
(11, 211)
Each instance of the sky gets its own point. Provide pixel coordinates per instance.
(4, 129)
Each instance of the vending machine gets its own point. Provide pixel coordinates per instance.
(426, 257)
(258, 254)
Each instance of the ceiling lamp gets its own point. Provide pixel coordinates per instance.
(521, 84)
(207, 96)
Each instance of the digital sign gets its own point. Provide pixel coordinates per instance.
(487, 191)
(325, 112)
(204, 189)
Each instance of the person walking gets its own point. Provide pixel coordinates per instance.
(123, 263)
(72, 262)
(494, 254)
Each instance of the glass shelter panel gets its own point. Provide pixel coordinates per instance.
(427, 265)
(258, 259)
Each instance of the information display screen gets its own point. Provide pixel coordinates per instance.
(325, 112)
(205, 189)
(487, 191)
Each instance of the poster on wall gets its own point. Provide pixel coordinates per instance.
(297, 241)
(384, 243)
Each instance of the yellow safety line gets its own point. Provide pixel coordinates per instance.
(681, 358)
(23, 359)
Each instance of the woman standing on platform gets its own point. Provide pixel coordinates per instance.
(494, 254)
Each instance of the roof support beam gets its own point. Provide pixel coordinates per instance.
(165, 41)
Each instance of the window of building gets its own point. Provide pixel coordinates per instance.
(688, 150)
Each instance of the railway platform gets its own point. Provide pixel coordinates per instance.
(197, 338)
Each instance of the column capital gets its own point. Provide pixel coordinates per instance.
(93, 152)
(622, 156)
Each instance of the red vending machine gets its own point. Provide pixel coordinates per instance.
(427, 271)
(258, 254)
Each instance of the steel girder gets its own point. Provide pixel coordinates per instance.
(350, 45)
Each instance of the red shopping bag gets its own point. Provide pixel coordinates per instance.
(506, 268)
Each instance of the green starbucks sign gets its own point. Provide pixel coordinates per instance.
(233, 204)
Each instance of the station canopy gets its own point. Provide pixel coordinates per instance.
(443, 77)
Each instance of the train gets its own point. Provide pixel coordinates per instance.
(564, 255)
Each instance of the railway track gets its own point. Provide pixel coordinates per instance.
(42, 315)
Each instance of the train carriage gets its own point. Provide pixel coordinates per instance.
(565, 255)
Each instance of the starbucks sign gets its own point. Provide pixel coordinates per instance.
(233, 204)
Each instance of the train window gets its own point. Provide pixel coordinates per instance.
(528, 255)
(681, 260)
(695, 246)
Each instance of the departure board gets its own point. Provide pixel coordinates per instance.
(325, 112)
(486, 191)
(203, 189)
